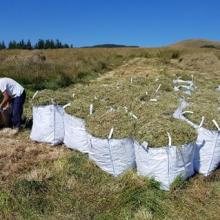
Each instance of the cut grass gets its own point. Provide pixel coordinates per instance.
(205, 102)
(118, 102)
(124, 103)
(47, 97)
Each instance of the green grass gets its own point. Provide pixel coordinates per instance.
(37, 76)
(77, 189)
(82, 191)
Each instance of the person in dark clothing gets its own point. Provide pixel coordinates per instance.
(14, 94)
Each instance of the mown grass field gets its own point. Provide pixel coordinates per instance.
(42, 182)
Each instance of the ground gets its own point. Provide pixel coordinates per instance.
(39, 181)
(17, 153)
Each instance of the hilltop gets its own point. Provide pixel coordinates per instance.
(197, 43)
(109, 46)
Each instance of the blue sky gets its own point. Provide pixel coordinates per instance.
(87, 22)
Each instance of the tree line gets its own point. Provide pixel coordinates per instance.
(41, 44)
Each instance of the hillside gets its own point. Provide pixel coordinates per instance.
(109, 46)
(197, 43)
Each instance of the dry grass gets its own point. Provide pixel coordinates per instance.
(120, 96)
(200, 61)
(205, 102)
(59, 68)
(18, 154)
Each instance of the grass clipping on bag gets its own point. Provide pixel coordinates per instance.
(100, 123)
(131, 106)
(48, 97)
(205, 102)
(156, 120)
(128, 108)
(154, 132)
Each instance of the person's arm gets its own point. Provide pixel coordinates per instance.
(5, 101)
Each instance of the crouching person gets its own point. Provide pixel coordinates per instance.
(14, 96)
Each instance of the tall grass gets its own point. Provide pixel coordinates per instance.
(37, 76)
(62, 67)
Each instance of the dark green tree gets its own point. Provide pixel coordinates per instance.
(65, 46)
(29, 45)
(2, 45)
(12, 45)
(58, 44)
(40, 44)
(21, 45)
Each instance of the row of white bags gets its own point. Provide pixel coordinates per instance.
(52, 125)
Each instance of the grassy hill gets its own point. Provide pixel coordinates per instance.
(110, 46)
(197, 43)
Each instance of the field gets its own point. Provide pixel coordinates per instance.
(38, 181)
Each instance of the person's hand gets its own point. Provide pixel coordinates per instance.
(6, 106)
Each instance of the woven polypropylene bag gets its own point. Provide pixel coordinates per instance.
(76, 136)
(48, 126)
(113, 155)
(165, 164)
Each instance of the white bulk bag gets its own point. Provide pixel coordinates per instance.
(207, 157)
(112, 155)
(76, 136)
(165, 164)
(48, 124)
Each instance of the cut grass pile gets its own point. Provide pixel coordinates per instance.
(127, 101)
(205, 102)
(156, 120)
(46, 97)
(129, 106)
